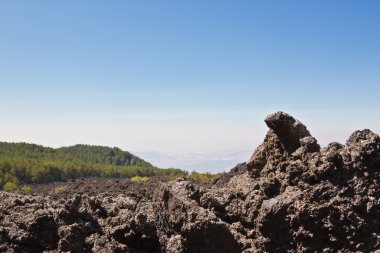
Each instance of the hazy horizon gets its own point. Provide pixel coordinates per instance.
(186, 85)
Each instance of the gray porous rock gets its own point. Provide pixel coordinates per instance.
(290, 196)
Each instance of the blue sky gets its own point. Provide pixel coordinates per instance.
(186, 83)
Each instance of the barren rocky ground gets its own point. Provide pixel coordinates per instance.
(291, 196)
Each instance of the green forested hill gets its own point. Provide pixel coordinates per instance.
(103, 155)
(23, 163)
(83, 153)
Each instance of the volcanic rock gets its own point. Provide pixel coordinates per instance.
(291, 196)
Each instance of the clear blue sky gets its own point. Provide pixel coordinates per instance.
(186, 83)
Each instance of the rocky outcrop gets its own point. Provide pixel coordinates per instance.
(303, 198)
(291, 196)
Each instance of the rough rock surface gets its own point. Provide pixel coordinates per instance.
(291, 196)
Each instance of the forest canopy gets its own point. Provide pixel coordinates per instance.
(23, 163)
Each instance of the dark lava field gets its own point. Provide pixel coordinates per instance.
(290, 196)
